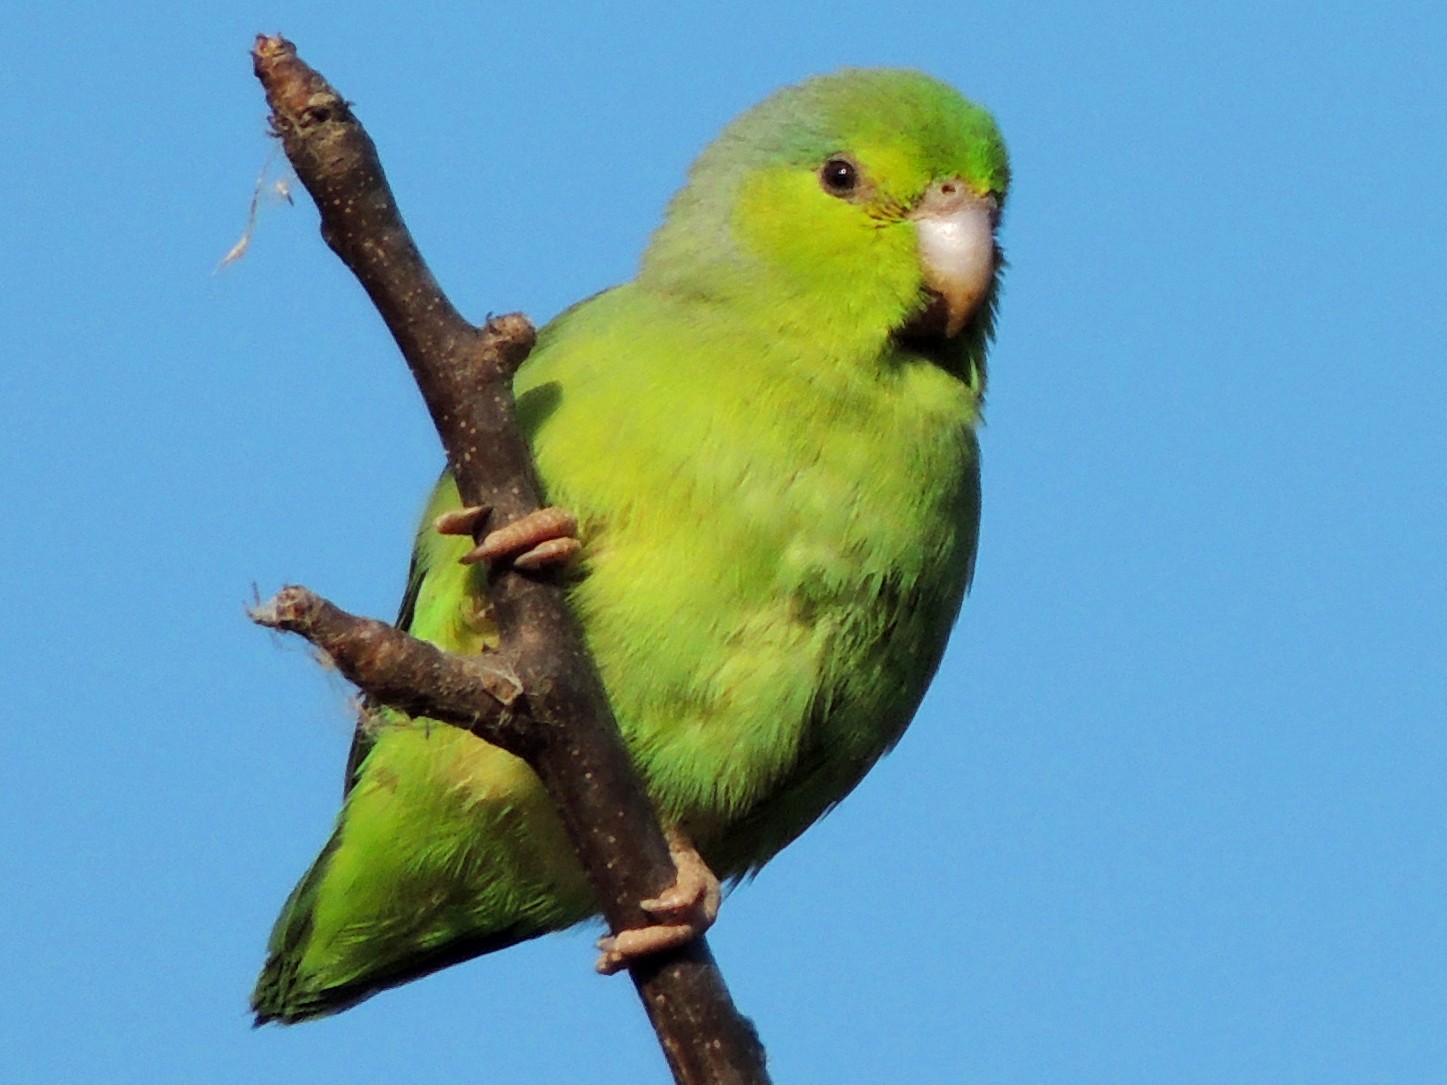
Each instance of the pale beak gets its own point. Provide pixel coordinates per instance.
(956, 230)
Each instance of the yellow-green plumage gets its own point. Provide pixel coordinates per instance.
(776, 477)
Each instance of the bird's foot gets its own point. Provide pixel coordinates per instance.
(685, 910)
(543, 538)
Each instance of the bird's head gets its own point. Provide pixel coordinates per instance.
(851, 207)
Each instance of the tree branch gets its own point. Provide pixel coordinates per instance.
(539, 695)
(398, 670)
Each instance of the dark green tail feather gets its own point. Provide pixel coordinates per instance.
(270, 1000)
(274, 998)
(281, 993)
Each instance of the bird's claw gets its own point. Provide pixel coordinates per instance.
(685, 910)
(461, 521)
(543, 538)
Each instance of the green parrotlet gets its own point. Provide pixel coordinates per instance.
(768, 441)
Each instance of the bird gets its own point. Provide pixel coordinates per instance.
(766, 444)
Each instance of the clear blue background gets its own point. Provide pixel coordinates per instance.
(1174, 810)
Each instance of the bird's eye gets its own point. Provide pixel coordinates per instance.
(839, 176)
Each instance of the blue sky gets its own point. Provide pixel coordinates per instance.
(1174, 809)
